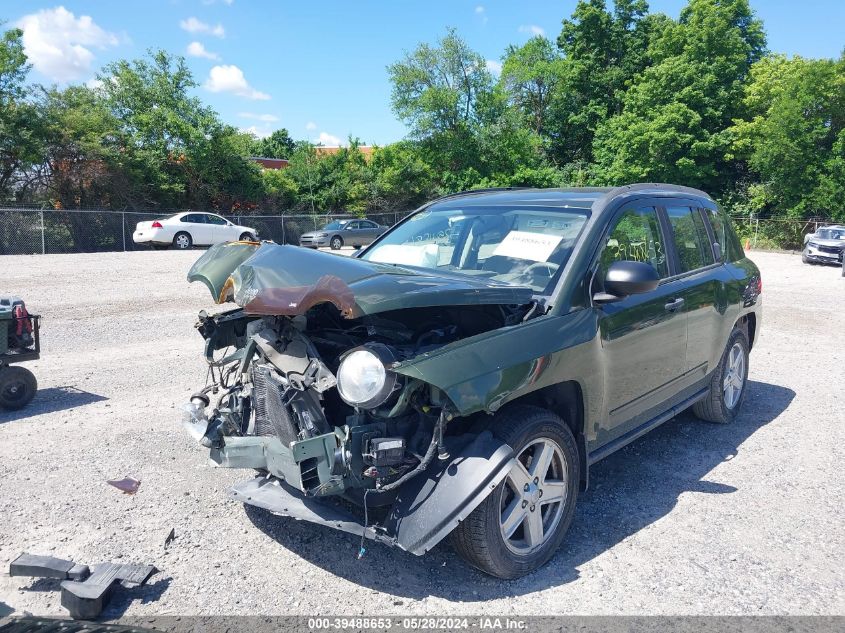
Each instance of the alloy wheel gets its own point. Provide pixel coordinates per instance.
(734, 380)
(182, 241)
(534, 496)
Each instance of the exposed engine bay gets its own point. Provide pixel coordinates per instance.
(324, 387)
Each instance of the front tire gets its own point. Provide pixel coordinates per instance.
(336, 243)
(17, 387)
(247, 237)
(520, 526)
(727, 386)
(182, 241)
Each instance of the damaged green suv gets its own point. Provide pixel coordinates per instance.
(460, 375)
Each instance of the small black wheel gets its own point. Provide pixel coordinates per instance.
(247, 237)
(17, 387)
(336, 243)
(727, 386)
(182, 241)
(520, 526)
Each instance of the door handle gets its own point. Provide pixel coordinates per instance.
(676, 304)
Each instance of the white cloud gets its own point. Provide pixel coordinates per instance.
(310, 125)
(193, 25)
(260, 132)
(196, 49)
(480, 11)
(328, 140)
(533, 29)
(493, 66)
(266, 118)
(56, 42)
(231, 79)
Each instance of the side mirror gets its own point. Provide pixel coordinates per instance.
(627, 278)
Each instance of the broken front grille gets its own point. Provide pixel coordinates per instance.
(272, 415)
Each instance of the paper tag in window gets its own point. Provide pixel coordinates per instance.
(535, 247)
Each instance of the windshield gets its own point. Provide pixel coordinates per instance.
(831, 234)
(334, 226)
(517, 246)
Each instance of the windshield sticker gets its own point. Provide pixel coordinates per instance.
(535, 247)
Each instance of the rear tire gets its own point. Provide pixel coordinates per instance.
(336, 243)
(514, 531)
(182, 241)
(17, 387)
(728, 383)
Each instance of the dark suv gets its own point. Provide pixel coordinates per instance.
(461, 374)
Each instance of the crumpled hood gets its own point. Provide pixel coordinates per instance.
(826, 242)
(271, 279)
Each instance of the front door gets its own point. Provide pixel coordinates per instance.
(643, 336)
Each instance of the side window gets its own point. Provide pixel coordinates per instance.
(187, 218)
(718, 227)
(352, 225)
(636, 237)
(215, 219)
(691, 239)
(366, 224)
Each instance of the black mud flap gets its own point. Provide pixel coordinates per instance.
(429, 507)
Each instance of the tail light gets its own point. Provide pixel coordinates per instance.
(759, 284)
(156, 225)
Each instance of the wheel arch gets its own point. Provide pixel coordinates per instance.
(748, 324)
(566, 399)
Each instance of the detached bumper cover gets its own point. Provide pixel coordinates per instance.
(426, 509)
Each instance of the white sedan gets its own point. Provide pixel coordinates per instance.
(184, 230)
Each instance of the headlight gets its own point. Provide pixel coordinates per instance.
(812, 245)
(322, 235)
(363, 379)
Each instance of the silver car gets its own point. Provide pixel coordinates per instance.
(825, 246)
(342, 233)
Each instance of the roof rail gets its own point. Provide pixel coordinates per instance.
(470, 192)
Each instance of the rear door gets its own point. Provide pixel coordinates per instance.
(221, 231)
(644, 336)
(699, 269)
(369, 231)
(352, 233)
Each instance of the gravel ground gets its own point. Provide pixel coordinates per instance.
(692, 519)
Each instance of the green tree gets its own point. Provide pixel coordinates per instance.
(604, 51)
(437, 89)
(400, 178)
(531, 75)
(21, 125)
(176, 151)
(794, 138)
(675, 116)
(81, 158)
(278, 145)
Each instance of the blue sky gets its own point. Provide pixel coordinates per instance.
(317, 67)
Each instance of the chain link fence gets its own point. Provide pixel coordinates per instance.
(27, 231)
(782, 233)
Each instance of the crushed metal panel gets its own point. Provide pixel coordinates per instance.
(84, 594)
(270, 494)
